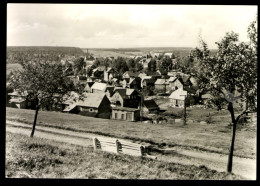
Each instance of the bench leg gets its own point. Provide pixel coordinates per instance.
(95, 143)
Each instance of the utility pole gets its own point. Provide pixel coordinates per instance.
(184, 114)
(141, 108)
(184, 119)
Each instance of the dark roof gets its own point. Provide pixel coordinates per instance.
(149, 80)
(127, 80)
(110, 89)
(89, 100)
(124, 91)
(190, 90)
(183, 79)
(101, 68)
(133, 74)
(150, 104)
(163, 71)
(82, 78)
(125, 109)
(152, 74)
(88, 85)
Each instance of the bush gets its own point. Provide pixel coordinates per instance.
(104, 115)
(177, 112)
(90, 114)
(209, 118)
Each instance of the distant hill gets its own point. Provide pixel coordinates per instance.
(16, 54)
(44, 49)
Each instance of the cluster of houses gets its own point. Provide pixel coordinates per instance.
(108, 96)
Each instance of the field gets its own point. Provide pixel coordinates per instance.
(213, 137)
(127, 52)
(105, 53)
(40, 158)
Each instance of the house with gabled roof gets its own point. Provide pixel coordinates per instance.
(168, 54)
(88, 86)
(98, 87)
(161, 85)
(150, 106)
(177, 98)
(129, 74)
(95, 105)
(18, 99)
(154, 75)
(179, 82)
(109, 74)
(132, 83)
(125, 113)
(109, 91)
(126, 97)
(148, 82)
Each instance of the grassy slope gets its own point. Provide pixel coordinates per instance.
(41, 158)
(11, 67)
(214, 137)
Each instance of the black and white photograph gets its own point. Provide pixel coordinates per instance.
(131, 91)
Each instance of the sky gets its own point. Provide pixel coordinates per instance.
(124, 26)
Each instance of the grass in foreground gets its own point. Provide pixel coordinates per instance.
(41, 158)
(214, 137)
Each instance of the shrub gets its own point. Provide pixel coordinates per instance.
(90, 114)
(104, 115)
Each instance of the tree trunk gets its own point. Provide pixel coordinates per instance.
(34, 122)
(230, 157)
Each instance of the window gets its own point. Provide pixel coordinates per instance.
(122, 116)
(91, 110)
(115, 115)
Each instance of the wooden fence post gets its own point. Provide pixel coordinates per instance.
(142, 150)
(117, 146)
(95, 143)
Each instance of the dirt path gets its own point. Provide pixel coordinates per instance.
(241, 166)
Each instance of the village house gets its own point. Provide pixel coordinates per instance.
(81, 80)
(115, 82)
(177, 98)
(149, 106)
(126, 97)
(206, 98)
(99, 72)
(109, 74)
(161, 85)
(132, 83)
(179, 82)
(88, 86)
(142, 74)
(125, 113)
(110, 91)
(162, 72)
(168, 54)
(95, 105)
(18, 100)
(98, 87)
(146, 63)
(131, 74)
(154, 75)
(156, 54)
(148, 82)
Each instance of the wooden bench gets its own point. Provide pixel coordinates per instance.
(120, 147)
(130, 148)
(106, 144)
